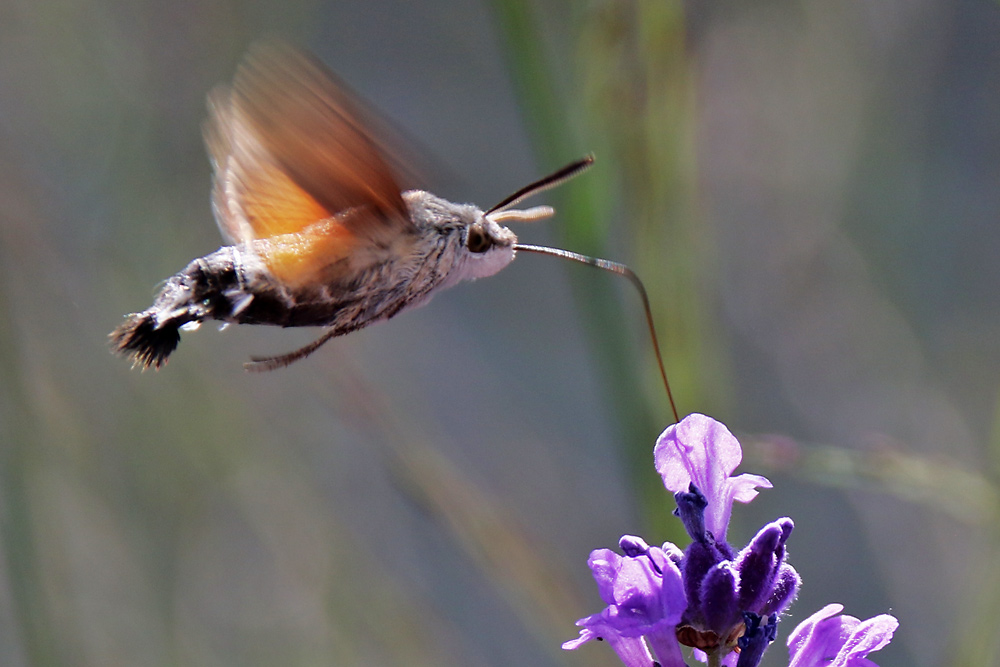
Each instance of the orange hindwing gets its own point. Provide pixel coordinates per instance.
(297, 175)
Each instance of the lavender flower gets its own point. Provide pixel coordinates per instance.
(722, 602)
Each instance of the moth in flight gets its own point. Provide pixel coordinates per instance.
(319, 232)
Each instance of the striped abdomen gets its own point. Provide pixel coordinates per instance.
(233, 285)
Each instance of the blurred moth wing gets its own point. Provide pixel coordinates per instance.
(296, 174)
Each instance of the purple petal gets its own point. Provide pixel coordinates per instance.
(644, 592)
(637, 593)
(604, 565)
(728, 661)
(744, 487)
(586, 635)
(833, 640)
(672, 595)
(701, 451)
(868, 636)
(818, 638)
(673, 552)
(632, 651)
(666, 648)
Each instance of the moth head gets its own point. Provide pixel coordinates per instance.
(466, 242)
(487, 246)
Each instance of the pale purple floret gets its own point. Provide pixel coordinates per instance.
(645, 598)
(831, 639)
(701, 451)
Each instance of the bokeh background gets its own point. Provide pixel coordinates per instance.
(811, 192)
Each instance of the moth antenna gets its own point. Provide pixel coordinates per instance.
(552, 180)
(262, 364)
(621, 270)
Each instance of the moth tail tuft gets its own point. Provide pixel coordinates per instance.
(144, 341)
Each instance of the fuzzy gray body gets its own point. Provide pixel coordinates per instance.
(234, 285)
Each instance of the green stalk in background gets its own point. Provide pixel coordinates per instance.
(636, 105)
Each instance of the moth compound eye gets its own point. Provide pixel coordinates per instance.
(477, 240)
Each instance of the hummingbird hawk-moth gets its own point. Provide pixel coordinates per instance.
(320, 233)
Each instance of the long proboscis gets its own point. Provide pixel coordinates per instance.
(621, 270)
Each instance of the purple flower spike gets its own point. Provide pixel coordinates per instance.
(722, 603)
(701, 451)
(828, 640)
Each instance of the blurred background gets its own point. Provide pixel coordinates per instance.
(810, 191)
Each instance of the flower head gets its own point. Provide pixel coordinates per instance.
(722, 602)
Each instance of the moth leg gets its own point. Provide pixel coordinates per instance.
(261, 364)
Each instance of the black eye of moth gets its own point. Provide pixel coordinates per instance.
(478, 241)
